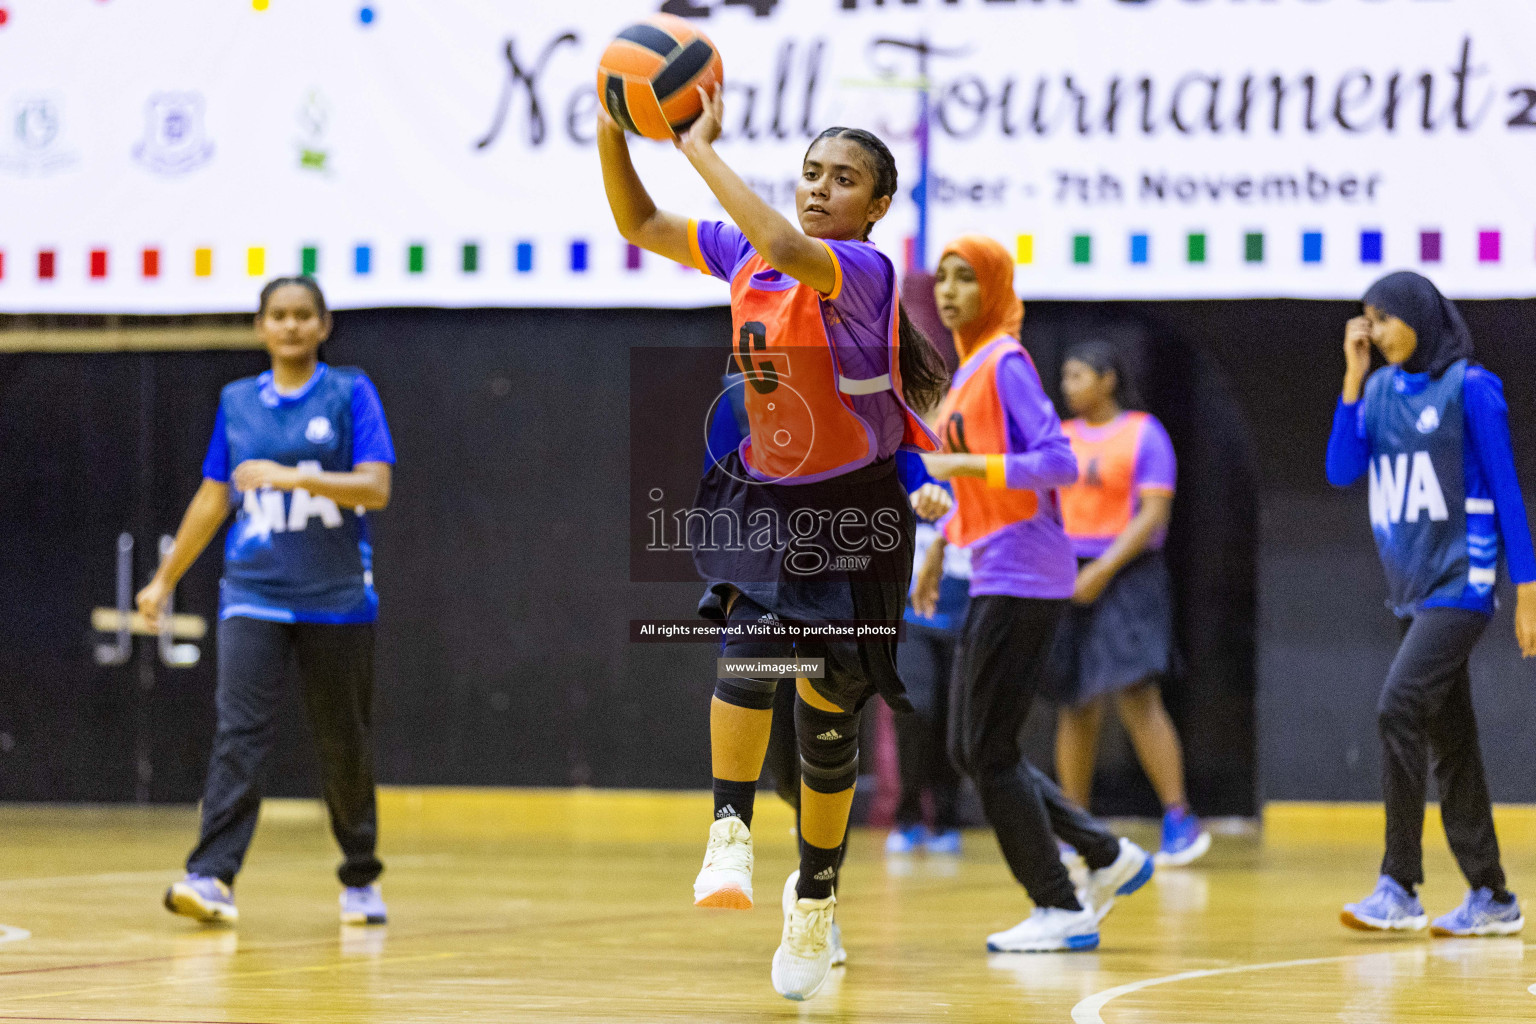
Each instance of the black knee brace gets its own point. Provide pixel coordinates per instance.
(829, 747)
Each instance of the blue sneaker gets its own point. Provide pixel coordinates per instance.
(1184, 839)
(905, 839)
(1480, 915)
(363, 904)
(946, 843)
(1391, 908)
(203, 898)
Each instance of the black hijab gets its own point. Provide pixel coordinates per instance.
(1442, 333)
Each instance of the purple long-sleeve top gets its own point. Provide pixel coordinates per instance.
(1032, 558)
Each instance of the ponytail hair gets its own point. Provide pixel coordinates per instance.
(1104, 358)
(924, 377)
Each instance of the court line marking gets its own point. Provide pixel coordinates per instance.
(1087, 1011)
(10, 933)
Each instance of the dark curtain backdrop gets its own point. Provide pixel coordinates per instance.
(502, 560)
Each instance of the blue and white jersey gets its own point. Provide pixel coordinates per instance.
(1445, 502)
(294, 556)
(1432, 543)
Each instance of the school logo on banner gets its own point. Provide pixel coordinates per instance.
(175, 138)
(34, 145)
(314, 118)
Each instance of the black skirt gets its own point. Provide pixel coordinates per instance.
(813, 567)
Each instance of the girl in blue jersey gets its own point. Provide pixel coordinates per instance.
(1431, 431)
(300, 453)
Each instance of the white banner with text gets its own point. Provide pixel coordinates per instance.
(167, 155)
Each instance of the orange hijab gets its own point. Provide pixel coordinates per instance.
(1001, 311)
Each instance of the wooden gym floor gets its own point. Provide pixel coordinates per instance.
(575, 906)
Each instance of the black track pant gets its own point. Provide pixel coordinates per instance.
(1426, 708)
(336, 666)
(925, 660)
(1003, 647)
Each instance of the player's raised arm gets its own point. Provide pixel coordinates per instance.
(785, 247)
(637, 217)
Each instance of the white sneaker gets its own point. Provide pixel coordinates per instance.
(1077, 868)
(804, 957)
(839, 954)
(1129, 872)
(726, 879)
(1047, 930)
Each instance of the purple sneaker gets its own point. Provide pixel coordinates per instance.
(1391, 908)
(206, 899)
(1480, 915)
(363, 904)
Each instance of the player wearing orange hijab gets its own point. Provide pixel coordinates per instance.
(1005, 455)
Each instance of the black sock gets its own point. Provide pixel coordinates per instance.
(818, 870)
(1503, 897)
(734, 800)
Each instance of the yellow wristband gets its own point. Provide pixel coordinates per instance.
(997, 472)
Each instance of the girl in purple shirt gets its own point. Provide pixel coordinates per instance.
(1116, 639)
(831, 372)
(1005, 456)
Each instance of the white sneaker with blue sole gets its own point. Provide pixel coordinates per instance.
(1130, 871)
(1049, 930)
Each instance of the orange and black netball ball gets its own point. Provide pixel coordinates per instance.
(649, 77)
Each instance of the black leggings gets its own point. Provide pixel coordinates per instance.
(1426, 708)
(1003, 647)
(336, 667)
(926, 659)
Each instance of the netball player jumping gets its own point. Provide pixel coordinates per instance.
(817, 322)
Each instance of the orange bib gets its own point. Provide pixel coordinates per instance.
(1101, 503)
(801, 420)
(973, 420)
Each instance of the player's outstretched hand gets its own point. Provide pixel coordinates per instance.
(606, 125)
(931, 502)
(706, 129)
(1525, 619)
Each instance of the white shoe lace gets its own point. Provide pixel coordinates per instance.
(807, 927)
(729, 849)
